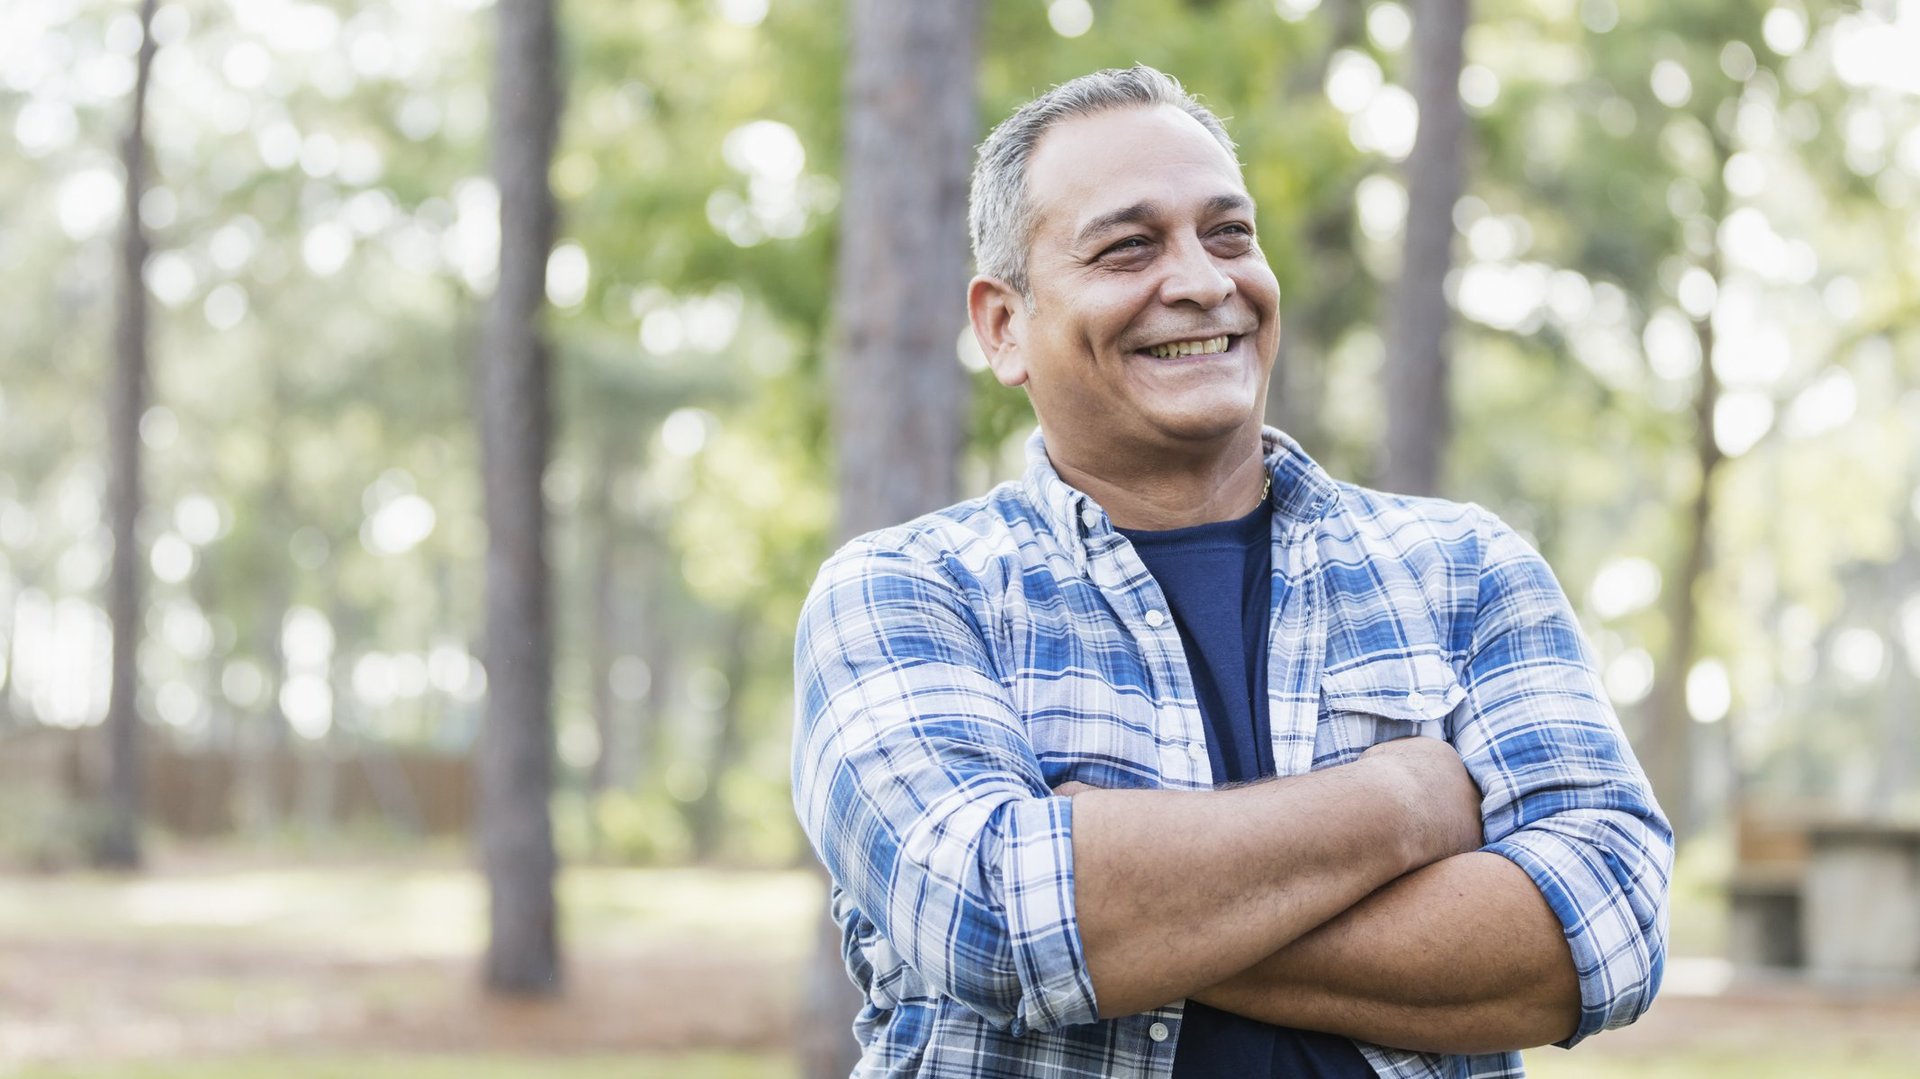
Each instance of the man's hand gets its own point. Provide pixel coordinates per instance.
(1462, 955)
(1441, 801)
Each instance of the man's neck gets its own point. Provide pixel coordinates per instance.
(1173, 492)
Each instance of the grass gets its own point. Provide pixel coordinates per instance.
(1553, 1065)
(1706, 1065)
(386, 911)
(433, 908)
(407, 1066)
(246, 953)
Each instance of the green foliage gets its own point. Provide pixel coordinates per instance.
(45, 833)
(638, 827)
(321, 236)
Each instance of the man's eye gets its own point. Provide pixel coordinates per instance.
(1232, 239)
(1127, 246)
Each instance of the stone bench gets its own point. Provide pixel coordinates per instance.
(1764, 918)
(1860, 915)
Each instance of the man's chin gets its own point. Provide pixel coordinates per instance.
(1210, 425)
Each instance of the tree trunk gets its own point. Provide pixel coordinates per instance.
(642, 761)
(1895, 771)
(901, 395)
(10, 717)
(901, 392)
(707, 815)
(262, 737)
(600, 519)
(516, 748)
(321, 762)
(1312, 308)
(1418, 352)
(387, 781)
(118, 844)
(1296, 396)
(277, 515)
(1669, 757)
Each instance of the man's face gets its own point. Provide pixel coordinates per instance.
(1155, 318)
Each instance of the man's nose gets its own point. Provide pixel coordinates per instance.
(1193, 276)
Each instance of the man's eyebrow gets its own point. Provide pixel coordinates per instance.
(1234, 202)
(1126, 215)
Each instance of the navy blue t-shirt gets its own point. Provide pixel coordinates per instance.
(1218, 580)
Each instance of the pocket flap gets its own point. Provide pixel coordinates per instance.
(1418, 687)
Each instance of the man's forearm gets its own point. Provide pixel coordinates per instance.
(1463, 956)
(1174, 891)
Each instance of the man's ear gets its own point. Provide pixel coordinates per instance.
(999, 316)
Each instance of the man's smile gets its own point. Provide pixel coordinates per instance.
(1204, 346)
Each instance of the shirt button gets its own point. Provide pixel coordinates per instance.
(1197, 751)
(1158, 1032)
(1416, 700)
(1155, 618)
(1090, 518)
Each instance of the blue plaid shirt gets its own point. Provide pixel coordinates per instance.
(952, 670)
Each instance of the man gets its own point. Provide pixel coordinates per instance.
(1027, 723)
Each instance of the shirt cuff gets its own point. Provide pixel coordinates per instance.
(1618, 968)
(1041, 921)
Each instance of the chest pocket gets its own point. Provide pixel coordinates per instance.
(1379, 698)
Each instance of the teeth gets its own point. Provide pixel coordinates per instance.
(1189, 348)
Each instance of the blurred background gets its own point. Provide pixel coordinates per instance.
(421, 420)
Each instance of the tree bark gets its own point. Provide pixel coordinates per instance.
(516, 748)
(1418, 351)
(10, 717)
(642, 760)
(260, 738)
(1313, 309)
(1669, 759)
(118, 843)
(600, 519)
(1669, 736)
(1894, 775)
(707, 816)
(901, 395)
(1296, 396)
(901, 392)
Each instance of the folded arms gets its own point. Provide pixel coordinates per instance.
(1358, 900)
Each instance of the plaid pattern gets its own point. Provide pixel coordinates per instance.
(952, 670)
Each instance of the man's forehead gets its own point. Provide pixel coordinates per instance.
(1130, 165)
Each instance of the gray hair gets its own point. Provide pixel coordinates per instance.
(999, 217)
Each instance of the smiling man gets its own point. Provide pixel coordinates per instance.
(1178, 757)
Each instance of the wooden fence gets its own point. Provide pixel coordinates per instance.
(205, 793)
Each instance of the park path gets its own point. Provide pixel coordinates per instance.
(63, 1001)
(192, 961)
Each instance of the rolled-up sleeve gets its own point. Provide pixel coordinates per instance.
(1564, 798)
(915, 782)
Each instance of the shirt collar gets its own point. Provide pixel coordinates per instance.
(1302, 492)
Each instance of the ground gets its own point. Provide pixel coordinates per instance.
(222, 968)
